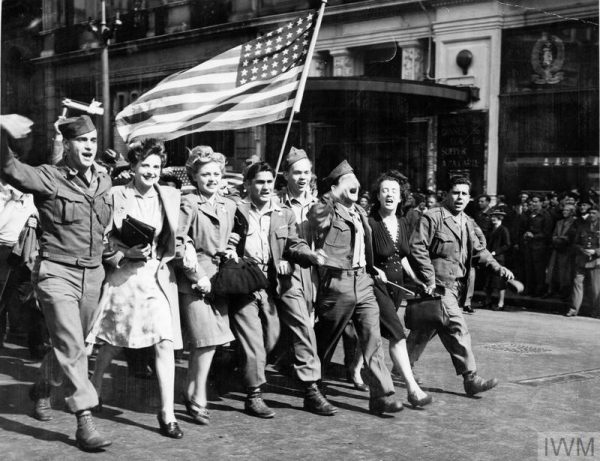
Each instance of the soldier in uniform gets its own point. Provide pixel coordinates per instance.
(265, 231)
(587, 264)
(74, 206)
(442, 250)
(297, 299)
(343, 235)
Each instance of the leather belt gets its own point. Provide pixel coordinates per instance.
(70, 260)
(348, 272)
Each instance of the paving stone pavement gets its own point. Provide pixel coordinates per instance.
(548, 367)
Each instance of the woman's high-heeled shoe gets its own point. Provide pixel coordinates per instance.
(416, 402)
(357, 385)
(198, 412)
(171, 430)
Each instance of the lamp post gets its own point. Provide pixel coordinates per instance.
(105, 33)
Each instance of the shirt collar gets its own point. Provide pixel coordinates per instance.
(150, 194)
(448, 214)
(272, 206)
(305, 199)
(217, 198)
(71, 172)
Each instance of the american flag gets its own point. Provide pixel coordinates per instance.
(249, 85)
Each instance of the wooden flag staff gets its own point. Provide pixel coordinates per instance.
(302, 84)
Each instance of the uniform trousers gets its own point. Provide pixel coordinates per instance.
(294, 314)
(455, 336)
(592, 277)
(346, 295)
(255, 324)
(68, 296)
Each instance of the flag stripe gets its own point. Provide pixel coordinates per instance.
(196, 99)
(241, 107)
(217, 124)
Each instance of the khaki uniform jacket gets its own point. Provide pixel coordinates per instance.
(435, 250)
(333, 232)
(72, 217)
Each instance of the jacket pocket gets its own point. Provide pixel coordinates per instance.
(339, 235)
(104, 208)
(68, 208)
(281, 232)
(442, 244)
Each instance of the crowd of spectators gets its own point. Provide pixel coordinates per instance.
(548, 239)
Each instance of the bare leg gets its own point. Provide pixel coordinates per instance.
(165, 371)
(103, 360)
(399, 356)
(197, 377)
(501, 294)
(356, 365)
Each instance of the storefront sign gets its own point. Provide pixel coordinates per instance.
(461, 148)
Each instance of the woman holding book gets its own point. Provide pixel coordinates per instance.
(139, 304)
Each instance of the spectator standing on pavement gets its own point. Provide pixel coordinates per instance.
(74, 207)
(587, 264)
(535, 234)
(443, 250)
(482, 215)
(554, 208)
(498, 244)
(560, 267)
(139, 304)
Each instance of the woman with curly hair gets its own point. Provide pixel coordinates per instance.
(205, 223)
(390, 236)
(139, 305)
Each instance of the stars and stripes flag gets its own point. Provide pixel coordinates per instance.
(249, 85)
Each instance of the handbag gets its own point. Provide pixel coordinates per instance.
(135, 232)
(236, 278)
(425, 312)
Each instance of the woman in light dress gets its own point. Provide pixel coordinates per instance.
(139, 303)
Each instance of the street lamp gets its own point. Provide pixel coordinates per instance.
(104, 33)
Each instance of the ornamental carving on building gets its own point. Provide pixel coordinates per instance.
(547, 59)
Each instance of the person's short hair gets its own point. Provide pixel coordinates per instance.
(256, 168)
(536, 195)
(200, 156)
(140, 150)
(456, 180)
(485, 196)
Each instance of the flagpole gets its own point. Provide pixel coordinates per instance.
(302, 84)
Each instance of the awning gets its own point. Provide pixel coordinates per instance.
(410, 98)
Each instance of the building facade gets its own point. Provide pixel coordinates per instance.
(505, 92)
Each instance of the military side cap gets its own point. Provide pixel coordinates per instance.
(293, 156)
(340, 170)
(76, 126)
